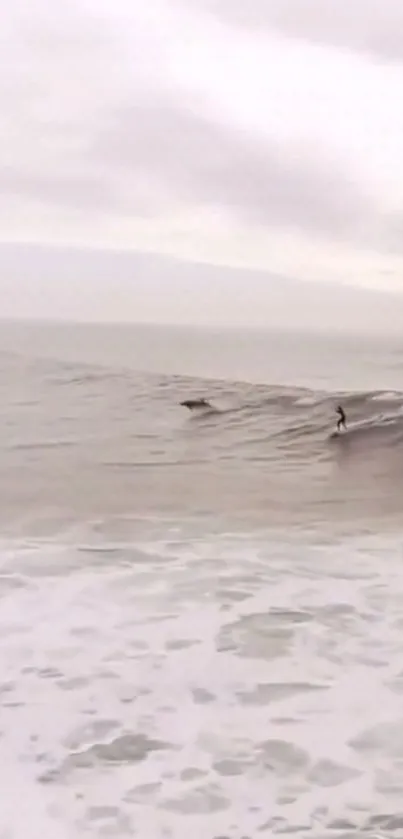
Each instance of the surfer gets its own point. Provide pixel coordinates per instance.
(341, 422)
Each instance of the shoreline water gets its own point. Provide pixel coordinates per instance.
(200, 618)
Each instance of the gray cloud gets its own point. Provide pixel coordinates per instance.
(85, 148)
(75, 142)
(139, 159)
(65, 66)
(76, 191)
(203, 162)
(373, 26)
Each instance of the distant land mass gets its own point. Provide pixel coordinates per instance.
(70, 283)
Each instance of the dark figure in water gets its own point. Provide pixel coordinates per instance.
(341, 422)
(195, 403)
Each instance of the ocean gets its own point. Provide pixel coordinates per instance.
(201, 616)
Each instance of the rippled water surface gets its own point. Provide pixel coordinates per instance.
(201, 616)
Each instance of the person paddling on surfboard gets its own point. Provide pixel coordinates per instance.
(341, 422)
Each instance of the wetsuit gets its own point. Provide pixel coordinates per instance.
(342, 421)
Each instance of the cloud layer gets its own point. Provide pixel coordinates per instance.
(185, 154)
(372, 26)
(113, 114)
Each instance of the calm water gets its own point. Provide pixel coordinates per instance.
(200, 621)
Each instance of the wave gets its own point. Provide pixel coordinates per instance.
(135, 448)
(303, 413)
(381, 428)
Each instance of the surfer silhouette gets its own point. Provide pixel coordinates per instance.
(341, 422)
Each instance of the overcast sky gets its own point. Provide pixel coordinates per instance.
(260, 133)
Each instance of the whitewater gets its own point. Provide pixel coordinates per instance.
(201, 616)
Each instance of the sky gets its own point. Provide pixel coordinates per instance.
(266, 135)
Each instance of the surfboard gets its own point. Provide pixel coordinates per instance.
(336, 434)
(360, 425)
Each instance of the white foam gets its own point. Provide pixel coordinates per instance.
(307, 400)
(262, 678)
(389, 396)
